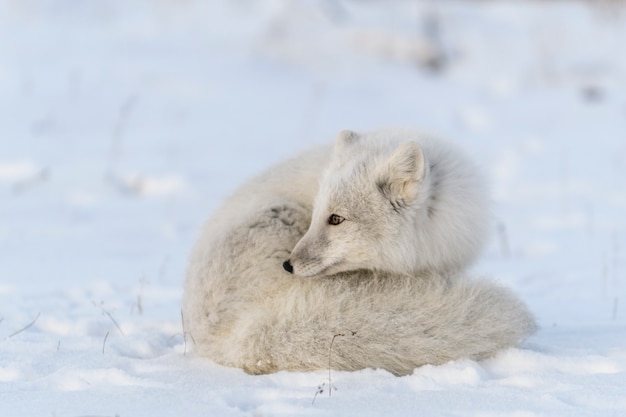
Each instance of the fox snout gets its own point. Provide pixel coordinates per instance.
(287, 266)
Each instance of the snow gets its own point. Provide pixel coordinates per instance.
(125, 123)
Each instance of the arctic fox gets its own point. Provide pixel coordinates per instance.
(386, 224)
(387, 203)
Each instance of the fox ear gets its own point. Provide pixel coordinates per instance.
(400, 176)
(345, 138)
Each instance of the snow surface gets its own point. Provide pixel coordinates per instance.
(124, 123)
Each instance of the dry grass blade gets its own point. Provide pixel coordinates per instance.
(331, 387)
(104, 342)
(114, 322)
(28, 326)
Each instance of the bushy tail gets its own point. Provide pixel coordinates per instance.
(390, 322)
(244, 310)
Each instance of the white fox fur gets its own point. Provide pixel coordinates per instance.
(411, 203)
(243, 309)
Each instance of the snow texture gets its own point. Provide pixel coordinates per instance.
(124, 123)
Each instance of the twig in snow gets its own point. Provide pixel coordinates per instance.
(182, 319)
(139, 304)
(330, 350)
(331, 387)
(105, 312)
(104, 342)
(28, 326)
(113, 320)
(183, 335)
(320, 391)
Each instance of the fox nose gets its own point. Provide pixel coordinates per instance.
(287, 266)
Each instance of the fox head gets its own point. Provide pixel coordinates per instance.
(365, 209)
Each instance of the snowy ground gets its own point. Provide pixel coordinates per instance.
(124, 123)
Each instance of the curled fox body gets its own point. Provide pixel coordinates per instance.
(371, 235)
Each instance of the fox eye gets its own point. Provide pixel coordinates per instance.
(335, 219)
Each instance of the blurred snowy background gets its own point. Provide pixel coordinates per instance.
(124, 123)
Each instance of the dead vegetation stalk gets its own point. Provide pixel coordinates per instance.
(28, 326)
